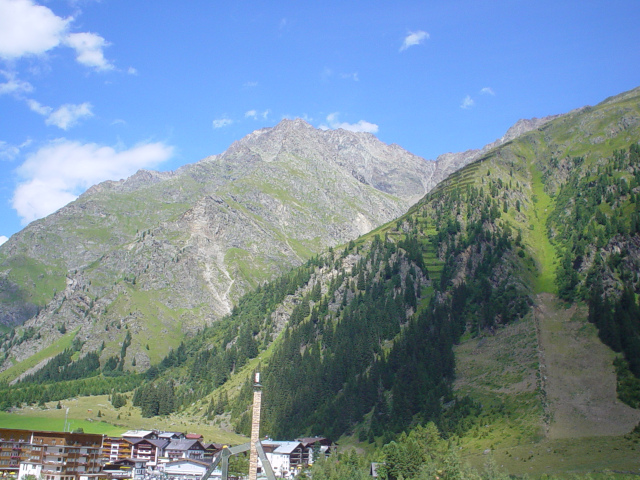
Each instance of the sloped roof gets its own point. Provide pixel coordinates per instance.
(137, 433)
(306, 441)
(216, 446)
(287, 447)
(183, 444)
(159, 443)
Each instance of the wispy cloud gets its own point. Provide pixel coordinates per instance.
(328, 73)
(37, 107)
(222, 122)
(360, 126)
(255, 114)
(65, 117)
(58, 172)
(487, 91)
(467, 102)
(89, 50)
(250, 84)
(350, 76)
(68, 115)
(414, 38)
(13, 85)
(28, 29)
(3, 239)
(9, 152)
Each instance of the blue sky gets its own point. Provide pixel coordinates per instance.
(94, 90)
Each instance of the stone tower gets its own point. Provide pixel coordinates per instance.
(255, 428)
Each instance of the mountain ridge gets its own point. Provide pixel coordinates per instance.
(198, 237)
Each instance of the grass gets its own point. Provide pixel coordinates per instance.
(530, 427)
(536, 236)
(83, 413)
(48, 352)
(36, 279)
(565, 457)
(500, 372)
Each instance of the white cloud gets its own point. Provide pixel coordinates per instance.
(487, 91)
(68, 115)
(132, 71)
(255, 114)
(28, 29)
(3, 239)
(361, 126)
(414, 38)
(65, 116)
(251, 84)
(7, 151)
(58, 172)
(350, 76)
(13, 85)
(88, 47)
(222, 122)
(37, 107)
(468, 102)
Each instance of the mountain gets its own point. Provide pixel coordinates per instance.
(162, 254)
(502, 306)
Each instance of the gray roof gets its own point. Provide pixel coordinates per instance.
(159, 443)
(287, 447)
(183, 444)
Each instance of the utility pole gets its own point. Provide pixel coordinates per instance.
(255, 428)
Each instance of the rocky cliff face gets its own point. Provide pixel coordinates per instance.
(161, 254)
(450, 162)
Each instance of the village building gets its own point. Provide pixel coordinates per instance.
(129, 468)
(211, 451)
(14, 449)
(286, 458)
(115, 448)
(150, 450)
(183, 448)
(187, 469)
(137, 455)
(50, 455)
(170, 435)
(314, 447)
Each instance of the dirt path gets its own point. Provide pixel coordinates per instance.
(578, 375)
